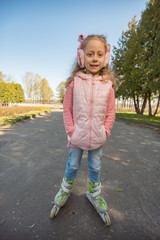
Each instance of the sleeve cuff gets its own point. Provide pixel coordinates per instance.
(108, 133)
(70, 132)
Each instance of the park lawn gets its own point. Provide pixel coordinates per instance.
(8, 111)
(11, 115)
(139, 118)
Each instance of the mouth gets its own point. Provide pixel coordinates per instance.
(94, 65)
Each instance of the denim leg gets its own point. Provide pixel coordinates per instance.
(94, 164)
(74, 162)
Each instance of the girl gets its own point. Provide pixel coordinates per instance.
(89, 114)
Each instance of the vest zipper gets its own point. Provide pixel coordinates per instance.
(91, 110)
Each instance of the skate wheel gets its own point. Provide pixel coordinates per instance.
(53, 212)
(107, 219)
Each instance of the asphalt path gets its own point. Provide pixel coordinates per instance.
(33, 155)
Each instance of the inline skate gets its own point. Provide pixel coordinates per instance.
(94, 196)
(62, 196)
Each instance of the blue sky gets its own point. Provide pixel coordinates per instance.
(40, 36)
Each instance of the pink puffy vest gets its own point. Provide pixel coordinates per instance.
(90, 97)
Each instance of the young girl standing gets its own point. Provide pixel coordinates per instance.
(89, 114)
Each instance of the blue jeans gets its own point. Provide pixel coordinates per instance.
(94, 163)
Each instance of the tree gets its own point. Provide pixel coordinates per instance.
(3, 92)
(19, 93)
(149, 33)
(61, 91)
(136, 60)
(28, 81)
(37, 88)
(32, 85)
(2, 77)
(124, 64)
(11, 93)
(46, 92)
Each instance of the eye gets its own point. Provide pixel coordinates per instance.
(89, 54)
(100, 54)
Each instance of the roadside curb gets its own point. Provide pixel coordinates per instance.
(24, 118)
(140, 124)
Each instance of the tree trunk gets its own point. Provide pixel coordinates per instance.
(157, 106)
(136, 104)
(144, 104)
(149, 102)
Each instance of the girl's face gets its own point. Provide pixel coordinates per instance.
(94, 56)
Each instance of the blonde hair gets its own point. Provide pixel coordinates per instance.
(105, 72)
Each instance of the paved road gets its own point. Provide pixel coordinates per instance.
(33, 155)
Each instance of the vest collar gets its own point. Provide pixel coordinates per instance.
(85, 76)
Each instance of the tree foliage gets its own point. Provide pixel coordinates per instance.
(45, 91)
(136, 60)
(37, 88)
(10, 92)
(61, 91)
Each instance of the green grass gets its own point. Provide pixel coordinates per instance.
(9, 120)
(5, 120)
(117, 189)
(139, 118)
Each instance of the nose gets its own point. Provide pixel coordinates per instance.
(95, 58)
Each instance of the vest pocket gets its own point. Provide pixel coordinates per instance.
(72, 137)
(79, 137)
